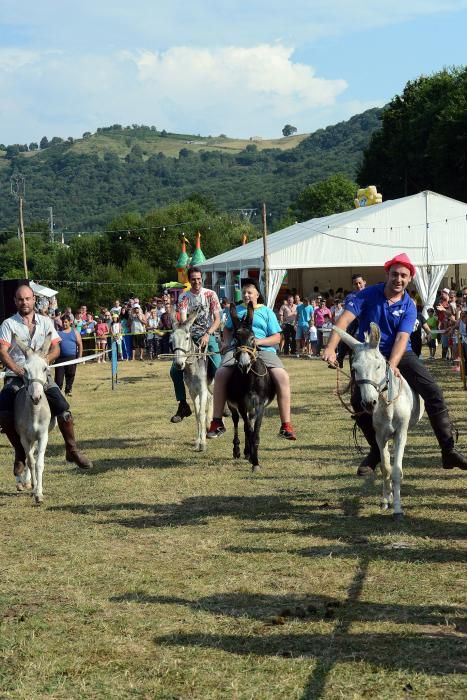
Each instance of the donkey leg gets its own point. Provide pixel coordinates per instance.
(31, 463)
(246, 430)
(386, 473)
(41, 447)
(236, 439)
(202, 420)
(197, 404)
(400, 439)
(255, 439)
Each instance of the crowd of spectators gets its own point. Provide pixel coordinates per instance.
(307, 322)
(142, 330)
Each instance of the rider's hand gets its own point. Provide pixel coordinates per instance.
(330, 357)
(19, 371)
(204, 340)
(395, 370)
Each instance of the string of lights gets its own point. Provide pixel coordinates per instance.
(165, 228)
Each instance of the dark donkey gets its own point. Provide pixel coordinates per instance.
(250, 388)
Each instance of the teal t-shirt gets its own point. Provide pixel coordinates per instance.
(265, 323)
(304, 314)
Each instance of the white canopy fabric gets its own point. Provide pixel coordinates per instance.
(429, 227)
(42, 291)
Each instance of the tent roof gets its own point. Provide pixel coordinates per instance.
(42, 291)
(366, 236)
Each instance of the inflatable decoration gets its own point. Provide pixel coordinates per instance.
(182, 265)
(198, 256)
(367, 196)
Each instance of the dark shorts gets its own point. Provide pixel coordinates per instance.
(57, 402)
(270, 359)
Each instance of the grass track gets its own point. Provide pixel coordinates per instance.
(164, 573)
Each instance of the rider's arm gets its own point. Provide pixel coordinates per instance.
(8, 362)
(54, 352)
(398, 349)
(274, 339)
(329, 353)
(216, 322)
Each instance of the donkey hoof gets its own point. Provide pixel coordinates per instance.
(27, 486)
(383, 505)
(255, 468)
(19, 486)
(398, 517)
(38, 500)
(236, 454)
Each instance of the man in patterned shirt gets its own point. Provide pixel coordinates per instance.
(206, 302)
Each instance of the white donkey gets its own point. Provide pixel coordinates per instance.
(32, 415)
(195, 366)
(394, 406)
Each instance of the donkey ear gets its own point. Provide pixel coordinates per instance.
(234, 316)
(347, 338)
(375, 335)
(25, 349)
(250, 313)
(46, 347)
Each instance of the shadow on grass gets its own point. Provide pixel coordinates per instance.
(308, 518)
(436, 649)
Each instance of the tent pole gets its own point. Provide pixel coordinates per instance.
(265, 254)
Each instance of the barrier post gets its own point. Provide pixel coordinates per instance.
(114, 364)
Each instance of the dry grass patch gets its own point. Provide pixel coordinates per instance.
(166, 573)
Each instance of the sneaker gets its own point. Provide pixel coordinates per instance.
(216, 429)
(286, 431)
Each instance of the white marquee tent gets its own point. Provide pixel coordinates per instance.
(430, 228)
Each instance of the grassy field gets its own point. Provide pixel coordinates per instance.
(165, 573)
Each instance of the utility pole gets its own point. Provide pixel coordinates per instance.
(17, 189)
(265, 253)
(51, 224)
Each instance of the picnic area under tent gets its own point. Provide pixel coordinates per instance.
(326, 251)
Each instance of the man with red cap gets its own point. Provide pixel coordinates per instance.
(389, 305)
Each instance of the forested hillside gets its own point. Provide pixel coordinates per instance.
(90, 181)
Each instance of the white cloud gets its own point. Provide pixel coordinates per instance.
(238, 90)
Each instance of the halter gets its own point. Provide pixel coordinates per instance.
(380, 388)
(253, 352)
(192, 355)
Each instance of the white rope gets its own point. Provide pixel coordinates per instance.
(77, 361)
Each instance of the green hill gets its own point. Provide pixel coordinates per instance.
(90, 180)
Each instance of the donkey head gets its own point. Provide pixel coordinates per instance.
(35, 367)
(182, 343)
(368, 365)
(244, 337)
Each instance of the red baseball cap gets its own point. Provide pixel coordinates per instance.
(401, 259)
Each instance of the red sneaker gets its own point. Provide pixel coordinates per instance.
(216, 429)
(286, 431)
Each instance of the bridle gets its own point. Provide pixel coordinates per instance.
(253, 352)
(380, 387)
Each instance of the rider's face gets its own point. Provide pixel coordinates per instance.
(24, 300)
(250, 293)
(196, 281)
(398, 277)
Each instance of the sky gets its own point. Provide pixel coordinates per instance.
(210, 67)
